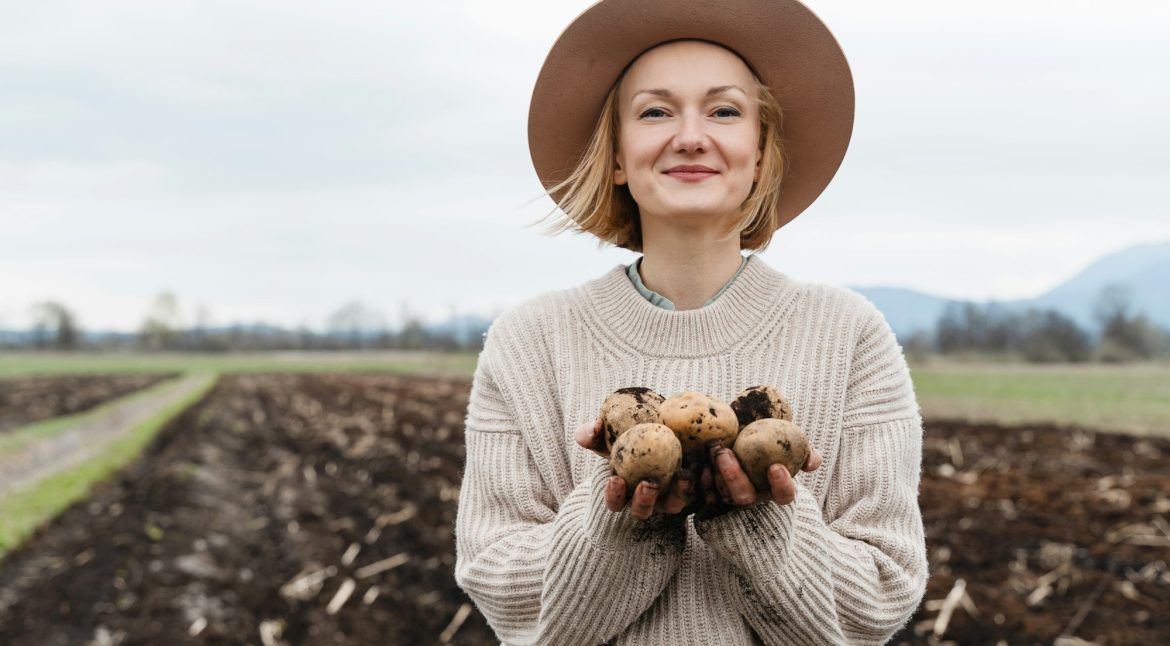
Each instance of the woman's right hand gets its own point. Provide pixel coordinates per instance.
(646, 500)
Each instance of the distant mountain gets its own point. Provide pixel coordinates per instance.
(1144, 270)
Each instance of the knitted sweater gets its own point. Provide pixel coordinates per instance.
(546, 562)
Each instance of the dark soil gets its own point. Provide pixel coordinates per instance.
(31, 399)
(1010, 509)
(270, 479)
(235, 526)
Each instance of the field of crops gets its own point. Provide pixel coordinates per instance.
(301, 508)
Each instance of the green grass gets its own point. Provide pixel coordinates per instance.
(23, 510)
(1128, 398)
(406, 361)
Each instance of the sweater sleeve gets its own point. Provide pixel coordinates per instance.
(856, 573)
(543, 573)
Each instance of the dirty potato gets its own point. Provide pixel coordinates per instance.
(647, 452)
(770, 441)
(760, 402)
(697, 419)
(626, 408)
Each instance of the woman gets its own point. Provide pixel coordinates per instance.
(657, 128)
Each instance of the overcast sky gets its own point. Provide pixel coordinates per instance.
(276, 160)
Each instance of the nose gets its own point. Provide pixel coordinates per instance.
(691, 136)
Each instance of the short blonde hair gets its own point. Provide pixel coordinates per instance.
(592, 203)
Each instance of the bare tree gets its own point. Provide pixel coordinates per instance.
(162, 324)
(1123, 337)
(55, 325)
(356, 322)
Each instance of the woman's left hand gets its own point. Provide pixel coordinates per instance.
(735, 488)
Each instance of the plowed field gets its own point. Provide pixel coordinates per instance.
(319, 510)
(27, 400)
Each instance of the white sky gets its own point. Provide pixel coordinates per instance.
(276, 160)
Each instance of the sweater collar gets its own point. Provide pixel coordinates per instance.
(758, 294)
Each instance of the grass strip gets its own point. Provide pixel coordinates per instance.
(22, 436)
(25, 509)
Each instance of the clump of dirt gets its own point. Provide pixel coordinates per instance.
(30, 399)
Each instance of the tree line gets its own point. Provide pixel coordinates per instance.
(354, 326)
(964, 328)
(1046, 335)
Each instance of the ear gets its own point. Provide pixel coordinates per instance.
(759, 159)
(619, 173)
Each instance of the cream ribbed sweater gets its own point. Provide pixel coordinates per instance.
(547, 563)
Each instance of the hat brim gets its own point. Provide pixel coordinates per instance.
(790, 48)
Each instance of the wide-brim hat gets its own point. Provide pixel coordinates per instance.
(785, 44)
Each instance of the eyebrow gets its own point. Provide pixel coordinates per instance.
(718, 89)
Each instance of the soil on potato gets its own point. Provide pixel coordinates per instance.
(31, 399)
(255, 511)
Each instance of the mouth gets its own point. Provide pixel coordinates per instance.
(691, 173)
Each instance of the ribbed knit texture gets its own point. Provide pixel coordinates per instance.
(547, 563)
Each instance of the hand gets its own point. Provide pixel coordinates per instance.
(735, 488)
(645, 501)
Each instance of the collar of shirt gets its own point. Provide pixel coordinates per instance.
(633, 271)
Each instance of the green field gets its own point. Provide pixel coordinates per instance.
(1126, 398)
(53, 363)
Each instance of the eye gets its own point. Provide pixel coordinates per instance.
(652, 113)
(727, 112)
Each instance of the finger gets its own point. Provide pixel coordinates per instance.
(721, 487)
(642, 506)
(783, 486)
(615, 494)
(589, 435)
(707, 486)
(813, 462)
(679, 495)
(734, 479)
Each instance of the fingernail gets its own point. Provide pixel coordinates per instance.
(714, 444)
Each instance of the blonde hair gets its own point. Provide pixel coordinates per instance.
(592, 203)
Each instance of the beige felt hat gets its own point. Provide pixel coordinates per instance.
(788, 47)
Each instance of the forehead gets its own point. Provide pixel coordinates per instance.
(684, 64)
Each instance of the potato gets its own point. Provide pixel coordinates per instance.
(647, 452)
(697, 419)
(760, 402)
(770, 441)
(626, 408)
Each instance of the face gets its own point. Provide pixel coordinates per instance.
(689, 132)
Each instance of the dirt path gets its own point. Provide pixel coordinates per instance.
(74, 445)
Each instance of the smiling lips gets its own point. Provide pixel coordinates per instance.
(691, 173)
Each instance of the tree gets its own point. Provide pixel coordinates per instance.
(1123, 337)
(1051, 336)
(162, 323)
(54, 325)
(356, 322)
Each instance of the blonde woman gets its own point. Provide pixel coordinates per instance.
(690, 132)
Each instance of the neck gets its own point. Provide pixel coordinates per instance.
(688, 267)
